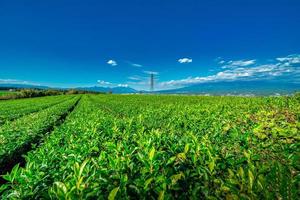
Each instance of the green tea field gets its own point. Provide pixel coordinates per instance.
(3, 93)
(150, 147)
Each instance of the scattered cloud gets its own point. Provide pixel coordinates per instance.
(291, 59)
(185, 60)
(112, 62)
(15, 81)
(101, 82)
(220, 60)
(135, 78)
(9, 80)
(136, 65)
(236, 63)
(242, 63)
(151, 72)
(143, 82)
(243, 69)
(122, 85)
(109, 84)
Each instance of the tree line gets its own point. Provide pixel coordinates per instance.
(30, 93)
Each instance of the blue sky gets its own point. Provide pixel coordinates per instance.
(66, 43)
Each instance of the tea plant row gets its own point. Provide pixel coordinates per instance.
(12, 109)
(167, 147)
(17, 136)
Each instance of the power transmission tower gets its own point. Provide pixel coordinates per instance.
(151, 81)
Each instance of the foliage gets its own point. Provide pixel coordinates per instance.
(4, 93)
(166, 147)
(30, 93)
(16, 136)
(13, 109)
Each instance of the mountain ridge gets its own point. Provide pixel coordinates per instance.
(92, 89)
(241, 87)
(258, 87)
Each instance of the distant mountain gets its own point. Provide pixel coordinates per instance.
(262, 87)
(116, 90)
(20, 86)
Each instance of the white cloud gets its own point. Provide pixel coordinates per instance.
(151, 72)
(291, 59)
(112, 63)
(15, 81)
(133, 64)
(185, 60)
(9, 80)
(101, 82)
(143, 82)
(135, 78)
(122, 85)
(242, 63)
(237, 63)
(109, 84)
(220, 60)
(242, 71)
(136, 65)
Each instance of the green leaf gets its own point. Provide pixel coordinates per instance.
(241, 172)
(113, 193)
(247, 155)
(251, 178)
(176, 177)
(147, 182)
(211, 165)
(171, 160)
(231, 174)
(186, 148)
(151, 154)
(3, 187)
(61, 186)
(7, 177)
(225, 189)
(181, 156)
(82, 167)
(12, 175)
(161, 195)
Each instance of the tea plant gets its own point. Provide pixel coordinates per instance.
(15, 136)
(13, 109)
(166, 147)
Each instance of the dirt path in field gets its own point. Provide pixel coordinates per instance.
(18, 157)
